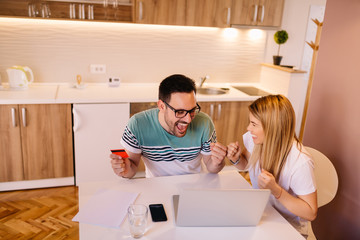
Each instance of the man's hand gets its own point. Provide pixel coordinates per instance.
(218, 153)
(120, 165)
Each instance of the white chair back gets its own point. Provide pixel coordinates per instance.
(326, 177)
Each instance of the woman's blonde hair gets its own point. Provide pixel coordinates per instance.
(277, 118)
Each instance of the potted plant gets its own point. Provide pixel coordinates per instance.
(280, 37)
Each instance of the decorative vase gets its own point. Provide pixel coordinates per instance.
(277, 59)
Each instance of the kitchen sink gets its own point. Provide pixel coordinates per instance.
(211, 90)
(252, 91)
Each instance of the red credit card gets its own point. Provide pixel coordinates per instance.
(121, 152)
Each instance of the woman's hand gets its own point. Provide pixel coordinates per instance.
(233, 151)
(267, 181)
(304, 206)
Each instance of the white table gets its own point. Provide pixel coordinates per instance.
(160, 190)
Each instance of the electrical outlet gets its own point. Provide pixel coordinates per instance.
(98, 68)
(114, 81)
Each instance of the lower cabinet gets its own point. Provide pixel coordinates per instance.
(230, 119)
(97, 129)
(35, 144)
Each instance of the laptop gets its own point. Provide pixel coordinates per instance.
(219, 207)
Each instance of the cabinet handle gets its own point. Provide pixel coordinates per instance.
(13, 116)
(255, 13)
(76, 120)
(23, 113)
(262, 13)
(228, 16)
(140, 10)
(219, 111)
(211, 110)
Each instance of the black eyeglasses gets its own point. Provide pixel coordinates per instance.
(180, 113)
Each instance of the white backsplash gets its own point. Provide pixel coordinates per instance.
(57, 51)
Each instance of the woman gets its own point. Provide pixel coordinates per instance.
(276, 160)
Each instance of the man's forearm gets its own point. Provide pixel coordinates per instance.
(214, 165)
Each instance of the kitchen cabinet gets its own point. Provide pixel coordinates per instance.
(97, 129)
(257, 12)
(209, 13)
(230, 119)
(166, 12)
(36, 142)
(77, 9)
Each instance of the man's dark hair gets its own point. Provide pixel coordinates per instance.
(173, 84)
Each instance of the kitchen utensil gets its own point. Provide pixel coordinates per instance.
(20, 77)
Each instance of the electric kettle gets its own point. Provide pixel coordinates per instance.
(19, 77)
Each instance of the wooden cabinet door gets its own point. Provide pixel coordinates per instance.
(230, 119)
(46, 132)
(122, 12)
(270, 13)
(11, 165)
(210, 13)
(240, 9)
(167, 12)
(257, 12)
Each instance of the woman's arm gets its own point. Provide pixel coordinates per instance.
(304, 206)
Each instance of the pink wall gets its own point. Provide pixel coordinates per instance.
(333, 121)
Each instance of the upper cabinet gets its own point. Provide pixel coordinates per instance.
(257, 12)
(209, 13)
(166, 12)
(106, 10)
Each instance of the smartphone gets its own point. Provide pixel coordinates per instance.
(157, 212)
(121, 152)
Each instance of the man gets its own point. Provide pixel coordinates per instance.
(172, 138)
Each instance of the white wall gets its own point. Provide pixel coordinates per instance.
(295, 22)
(59, 50)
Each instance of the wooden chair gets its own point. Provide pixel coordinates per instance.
(326, 180)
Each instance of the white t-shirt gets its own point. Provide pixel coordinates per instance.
(297, 178)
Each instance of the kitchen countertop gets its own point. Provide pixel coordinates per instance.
(35, 94)
(43, 93)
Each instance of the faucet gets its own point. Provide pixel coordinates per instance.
(203, 79)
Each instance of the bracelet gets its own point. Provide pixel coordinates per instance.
(236, 162)
(279, 194)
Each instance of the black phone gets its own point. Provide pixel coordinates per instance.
(157, 212)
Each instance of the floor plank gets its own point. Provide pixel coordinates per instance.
(39, 214)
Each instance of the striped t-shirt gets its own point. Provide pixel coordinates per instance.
(165, 154)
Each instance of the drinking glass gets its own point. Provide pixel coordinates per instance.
(137, 216)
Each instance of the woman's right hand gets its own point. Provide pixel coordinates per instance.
(234, 151)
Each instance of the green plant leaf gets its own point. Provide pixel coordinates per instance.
(281, 37)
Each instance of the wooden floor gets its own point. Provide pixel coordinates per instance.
(39, 214)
